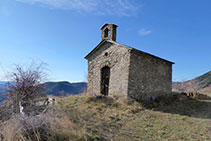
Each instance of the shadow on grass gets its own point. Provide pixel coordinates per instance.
(182, 105)
(108, 101)
(177, 103)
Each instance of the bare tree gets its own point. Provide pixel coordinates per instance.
(26, 84)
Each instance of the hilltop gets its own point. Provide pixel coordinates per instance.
(83, 117)
(201, 83)
(107, 118)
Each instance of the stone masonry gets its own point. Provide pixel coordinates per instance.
(130, 72)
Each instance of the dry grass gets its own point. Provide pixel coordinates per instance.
(11, 130)
(85, 117)
(48, 126)
(107, 118)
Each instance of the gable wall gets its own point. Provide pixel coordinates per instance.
(148, 76)
(118, 61)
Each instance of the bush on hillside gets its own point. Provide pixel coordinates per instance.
(26, 85)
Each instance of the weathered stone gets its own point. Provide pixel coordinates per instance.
(133, 73)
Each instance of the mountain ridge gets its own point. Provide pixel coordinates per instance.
(61, 88)
(201, 83)
(64, 88)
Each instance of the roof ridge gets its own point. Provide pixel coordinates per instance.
(114, 42)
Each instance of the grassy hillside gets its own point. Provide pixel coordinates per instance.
(83, 117)
(106, 118)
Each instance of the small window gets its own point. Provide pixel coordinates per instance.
(106, 54)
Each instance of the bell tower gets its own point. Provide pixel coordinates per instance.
(109, 32)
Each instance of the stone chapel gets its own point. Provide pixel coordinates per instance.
(117, 69)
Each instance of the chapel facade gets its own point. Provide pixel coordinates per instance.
(117, 69)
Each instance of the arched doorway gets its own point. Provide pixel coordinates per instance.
(105, 76)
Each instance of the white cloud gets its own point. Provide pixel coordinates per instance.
(144, 32)
(100, 7)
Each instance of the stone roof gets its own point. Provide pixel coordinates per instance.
(121, 45)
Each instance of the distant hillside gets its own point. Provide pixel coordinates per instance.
(4, 85)
(53, 88)
(64, 88)
(201, 84)
(2, 91)
(2, 88)
(2, 82)
(2, 97)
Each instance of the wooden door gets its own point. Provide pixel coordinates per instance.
(105, 75)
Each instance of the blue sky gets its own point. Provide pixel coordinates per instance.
(61, 32)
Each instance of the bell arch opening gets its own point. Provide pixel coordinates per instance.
(106, 33)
